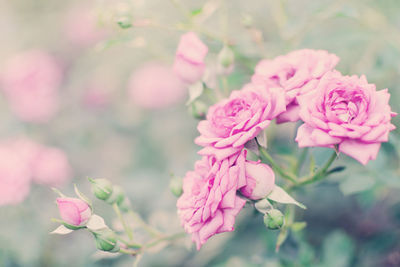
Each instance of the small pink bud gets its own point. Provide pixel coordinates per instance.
(260, 180)
(74, 211)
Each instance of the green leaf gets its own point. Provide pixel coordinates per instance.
(196, 12)
(82, 196)
(61, 230)
(281, 196)
(298, 226)
(281, 238)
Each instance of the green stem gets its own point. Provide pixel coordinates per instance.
(129, 244)
(275, 166)
(152, 231)
(301, 160)
(320, 174)
(129, 251)
(164, 238)
(121, 218)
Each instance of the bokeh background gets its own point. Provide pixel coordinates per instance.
(353, 218)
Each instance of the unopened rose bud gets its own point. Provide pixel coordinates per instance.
(274, 219)
(260, 180)
(101, 188)
(117, 195)
(106, 240)
(74, 212)
(198, 110)
(125, 205)
(175, 186)
(226, 57)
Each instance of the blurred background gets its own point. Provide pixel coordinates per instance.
(87, 116)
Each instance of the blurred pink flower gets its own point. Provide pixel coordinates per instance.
(232, 122)
(95, 97)
(81, 27)
(51, 167)
(189, 60)
(30, 82)
(296, 73)
(155, 86)
(348, 112)
(15, 176)
(74, 211)
(209, 203)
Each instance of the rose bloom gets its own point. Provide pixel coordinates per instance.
(348, 112)
(30, 81)
(74, 211)
(238, 119)
(209, 203)
(155, 86)
(296, 73)
(15, 176)
(189, 60)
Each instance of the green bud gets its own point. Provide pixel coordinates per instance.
(117, 195)
(125, 205)
(247, 20)
(226, 57)
(101, 188)
(125, 22)
(274, 219)
(106, 240)
(198, 110)
(175, 185)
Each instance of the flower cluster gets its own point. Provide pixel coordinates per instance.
(23, 161)
(303, 86)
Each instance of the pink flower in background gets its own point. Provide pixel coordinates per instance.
(296, 73)
(155, 86)
(260, 180)
(238, 119)
(51, 167)
(189, 60)
(209, 203)
(348, 112)
(74, 211)
(81, 26)
(15, 176)
(96, 97)
(30, 82)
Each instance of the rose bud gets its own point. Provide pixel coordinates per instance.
(101, 188)
(274, 219)
(175, 185)
(74, 211)
(106, 240)
(260, 180)
(117, 196)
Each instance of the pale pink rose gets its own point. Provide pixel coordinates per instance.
(51, 167)
(348, 112)
(155, 86)
(15, 176)
(74, 211)
(260, 180)
(296, 73)
(189, 60)
(30, 82)
(81, 26)
(234, 121)
(209, 203)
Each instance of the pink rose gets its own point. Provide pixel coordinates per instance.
(189, 60)
(155, 86)
(209, 203)
(74, 211)
(260, 180)
(30, 81)
(238, 119)
(51, 167)
(348, 112)
(15, 176)
(296, 73)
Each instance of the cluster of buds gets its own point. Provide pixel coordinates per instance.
(77, 213)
